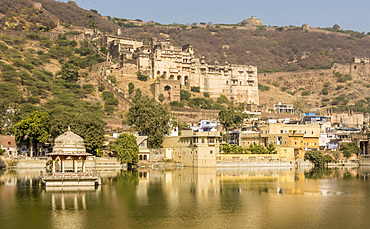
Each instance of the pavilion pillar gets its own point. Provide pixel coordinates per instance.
(83, 165)
(62, 164)
(53, 167)
(75, 165)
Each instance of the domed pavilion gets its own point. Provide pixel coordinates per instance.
(69, 146)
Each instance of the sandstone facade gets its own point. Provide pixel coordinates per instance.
(165, 61)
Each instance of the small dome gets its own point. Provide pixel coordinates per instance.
(69, 143)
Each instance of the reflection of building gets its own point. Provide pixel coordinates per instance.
(193, 148)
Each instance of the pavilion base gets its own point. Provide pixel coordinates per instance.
(70, 180)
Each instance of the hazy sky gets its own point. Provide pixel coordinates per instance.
(349, 14)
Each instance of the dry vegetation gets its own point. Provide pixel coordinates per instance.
(21, 15)
(270, 50)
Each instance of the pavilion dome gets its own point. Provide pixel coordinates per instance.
(69, 143)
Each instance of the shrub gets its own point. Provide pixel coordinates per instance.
(131, 87)
(101, 88)
(177, 104)
(113, 80)
(325, 91)
(344, 78)
(142, 77)
(206, 94)
(222, 99)
(89, 88)
(305, 93)
(276, 84)
(3, 46)
(283, 88)
(339, 87)
(109, 99)
(326, 84)
(184, 95)
(263, 88)
(195, 89)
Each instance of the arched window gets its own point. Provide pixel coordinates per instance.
(186, 80)
(172, 77)
(240, 82)
(178, 77)
(158, 74)
(167, 88)
(227, 82)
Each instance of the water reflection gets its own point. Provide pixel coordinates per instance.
(191, 197)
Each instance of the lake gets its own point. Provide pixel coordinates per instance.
(192, 198)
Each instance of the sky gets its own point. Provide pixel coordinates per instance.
(348, 14)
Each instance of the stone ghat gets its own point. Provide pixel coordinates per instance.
(93, 163)
(70, 179)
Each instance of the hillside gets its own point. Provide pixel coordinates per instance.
(37, 73)
(26, 15)
(270, 49)
(294, 64)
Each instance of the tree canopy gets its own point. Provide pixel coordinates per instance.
(150, 118)
(125, 148)
(349, 148)
(317, 158)
(88, 126)
(33, 129)
(231, 117)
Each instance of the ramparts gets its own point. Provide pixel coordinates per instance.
(190, 115)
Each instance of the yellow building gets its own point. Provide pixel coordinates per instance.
(300, 137)
(198, 149)
(250, 137)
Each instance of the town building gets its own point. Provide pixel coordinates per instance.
(300, 137)
(8, 144)
(196, 149)
(284, 108)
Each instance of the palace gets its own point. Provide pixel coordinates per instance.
(178, 65)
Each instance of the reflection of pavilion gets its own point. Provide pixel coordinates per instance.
(69, 146)
(68, 208)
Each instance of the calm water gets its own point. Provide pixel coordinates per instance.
(193, 198)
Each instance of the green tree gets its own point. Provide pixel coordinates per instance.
(184, 95)
(33, 129)
(271, 149)
(349, 148)
(142, 77)
(131, 87)
(69, 71)
(316, 157)
(161, 97)
(125, 148)
(151, 118)
(138, 93)
(231, 117)
(222, 99)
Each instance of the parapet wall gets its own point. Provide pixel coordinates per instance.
(98, 76)
(189, 115)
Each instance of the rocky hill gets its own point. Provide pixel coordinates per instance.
(31, 15)
(294, 63)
